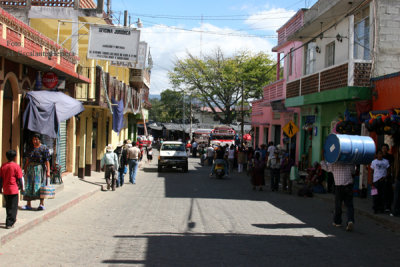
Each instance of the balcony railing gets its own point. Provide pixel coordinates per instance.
(138, 77)
(331, 78)
(274, 91)
(257, 108)
(48, 3)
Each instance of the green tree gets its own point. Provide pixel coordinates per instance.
(219, 81)
(169, 107)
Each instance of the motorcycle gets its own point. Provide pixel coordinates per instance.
(219, 169)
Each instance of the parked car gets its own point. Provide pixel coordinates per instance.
(173, 155)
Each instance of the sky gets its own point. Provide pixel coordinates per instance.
(175, 28)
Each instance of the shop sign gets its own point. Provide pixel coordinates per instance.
(141, 59)
(113, 43)
(50, 80)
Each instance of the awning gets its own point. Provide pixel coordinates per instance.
(46, 109)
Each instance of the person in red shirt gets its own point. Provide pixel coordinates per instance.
(10, 182)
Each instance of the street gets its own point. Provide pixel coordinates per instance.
(177, 219)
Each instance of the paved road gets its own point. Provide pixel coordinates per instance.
(177, 219)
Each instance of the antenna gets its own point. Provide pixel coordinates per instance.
(201, 37)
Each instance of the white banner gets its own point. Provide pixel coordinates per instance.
(113, 43)
(141, 60)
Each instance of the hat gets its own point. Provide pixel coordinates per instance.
(120, 143)
(129, 142)
(109, 148)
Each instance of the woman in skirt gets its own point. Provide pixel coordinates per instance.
(37, 169)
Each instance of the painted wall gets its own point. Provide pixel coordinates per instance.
(387, 93)
(297, 62)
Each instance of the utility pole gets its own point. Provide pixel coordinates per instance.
(108, 8)
(183, 119)
(125, 18)
(190, 129)
(242, 126)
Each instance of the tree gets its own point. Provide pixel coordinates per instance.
(218, 81)
(169, 107)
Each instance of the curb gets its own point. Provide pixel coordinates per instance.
(31, 224)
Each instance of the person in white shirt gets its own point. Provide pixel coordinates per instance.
(379, 168)
(194, 149)
(210, 154)
(270, 150)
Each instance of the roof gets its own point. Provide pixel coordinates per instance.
(172, 143)
(208, 109)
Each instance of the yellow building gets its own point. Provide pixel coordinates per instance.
(68, 24)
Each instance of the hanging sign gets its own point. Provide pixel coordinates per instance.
(113, 43)
(50, 80)
(141, 59)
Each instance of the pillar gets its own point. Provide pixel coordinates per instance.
(71, 141)
(82, 146)
(89, 142)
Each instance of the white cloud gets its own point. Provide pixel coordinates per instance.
(269, 20)
(168, 44)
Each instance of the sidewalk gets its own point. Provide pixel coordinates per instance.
(71, 192)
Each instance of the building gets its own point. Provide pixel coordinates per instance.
(269, 114)
(68, 23)
(338, 51)
(23, 56)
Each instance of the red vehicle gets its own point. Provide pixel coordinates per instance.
(222, 135)
(202, 136)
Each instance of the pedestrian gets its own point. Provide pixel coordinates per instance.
(379, 168)
(110, 164)
(241, 159)
(11, 180)
(343, 176)
(194, 148)
(123, 164)
(36, 169)
(149, 154)
(286, 166)
(133, 155)
(388, 187)
(250, 156)
(274, 163)
(231, 157)
(270, 150)
(210, 154)
(257, 177)
(219, 158)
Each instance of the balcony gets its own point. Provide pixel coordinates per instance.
(290, 27)
(274, 91)
(331, 78)
(257, 108)
(48, 3)
(139, 78)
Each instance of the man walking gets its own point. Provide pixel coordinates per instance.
(110, 164)
(343, 176)
(133, 155)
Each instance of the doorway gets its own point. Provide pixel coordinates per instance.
(7, 120)
(266, 132)
(277, 135)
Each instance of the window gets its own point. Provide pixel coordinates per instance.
(310, 57)
(291, 59)
(330, 54)
(361, 35)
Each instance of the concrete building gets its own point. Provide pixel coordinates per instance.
(339, 59)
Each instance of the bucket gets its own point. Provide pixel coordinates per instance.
(349, 149)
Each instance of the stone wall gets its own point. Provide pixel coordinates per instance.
(388, 48)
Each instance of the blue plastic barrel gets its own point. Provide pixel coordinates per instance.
(349, 149)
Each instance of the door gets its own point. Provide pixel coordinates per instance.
(62, 147)
(7, 120)
(266, 130)
(277, 135)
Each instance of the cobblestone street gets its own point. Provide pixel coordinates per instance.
(187, 219)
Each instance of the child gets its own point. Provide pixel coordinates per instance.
(11, 180)
(149, 154)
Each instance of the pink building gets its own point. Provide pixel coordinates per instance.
(269, 114)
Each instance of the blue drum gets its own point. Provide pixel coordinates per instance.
(349, 149)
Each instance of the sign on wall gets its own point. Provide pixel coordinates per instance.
(113, 43)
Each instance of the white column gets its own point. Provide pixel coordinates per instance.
(350, 78)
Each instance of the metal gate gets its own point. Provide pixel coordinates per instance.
(62, 147)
